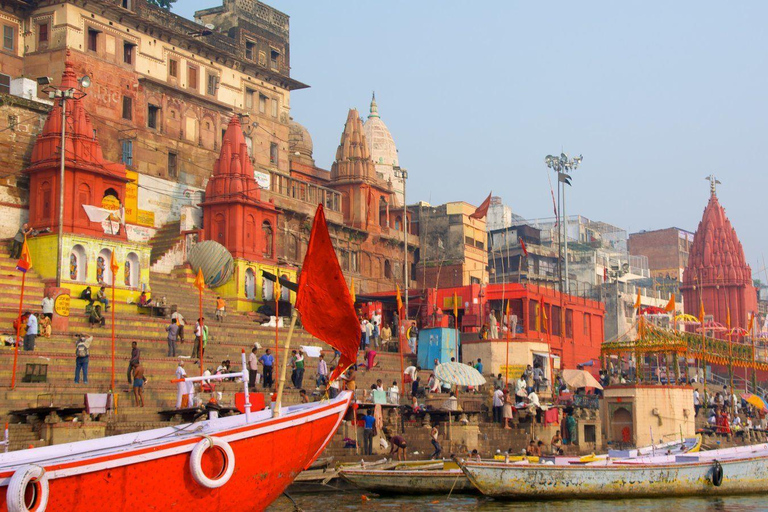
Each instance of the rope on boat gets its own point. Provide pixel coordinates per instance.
(296, 506)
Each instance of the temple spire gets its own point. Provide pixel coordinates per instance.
(713, 183)
(374, 108)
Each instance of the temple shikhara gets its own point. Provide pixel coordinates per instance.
(717, 276)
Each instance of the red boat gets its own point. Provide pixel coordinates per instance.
(241, 462)
(214, 465)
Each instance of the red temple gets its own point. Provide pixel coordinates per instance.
(89, 178)
(233, 213)
(717, 274)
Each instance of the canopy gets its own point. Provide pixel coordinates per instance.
(580, 379)
(713, 326)
(688, 319)
(755, 400)
(459, 374)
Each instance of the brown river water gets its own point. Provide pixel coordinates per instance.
(327, 502)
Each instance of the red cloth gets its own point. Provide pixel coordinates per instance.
(482, 210)
(551, 416)
(323, 298)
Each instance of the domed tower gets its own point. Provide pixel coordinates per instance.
(300, 144)
(383, 149)
(717, 274)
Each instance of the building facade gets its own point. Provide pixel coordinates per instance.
(667, 251)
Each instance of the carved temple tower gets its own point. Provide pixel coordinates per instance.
(717, 274)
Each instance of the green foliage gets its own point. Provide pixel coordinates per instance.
(165, 4)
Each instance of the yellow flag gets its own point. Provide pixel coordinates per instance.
(637, 302)
(538, 318)
(113, 264)
(200, 280)
(455, 306)
(277, 288)
(352, 290)
(671, 306)
(507, 307)
(728, 317)
(701, 313)
(544, 318)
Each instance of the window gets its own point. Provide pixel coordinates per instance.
(274, 55)
(126, 4)
(152, 114)
(5, 83)
(127, 158)
(250, 47)
(42, 33)
(262, 104)
(173, 68)
(173, 171)
(127, 108)
(213, 84)
(249, 98)
(274, 108)
(93, 40)
(587, 321)
(9, 38)
(273, 153)
(192, 77)
(128, 53)
(569, 323)
(266, 229)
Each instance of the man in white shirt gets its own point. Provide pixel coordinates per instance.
(322, 371)
(533, 400)
(253, 368)
(47, 305)
(410, 374)
(498, 405)
(394, 394)
(181, 387)
(180, 322)
(696, 402)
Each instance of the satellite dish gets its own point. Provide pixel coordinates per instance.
(210, 26)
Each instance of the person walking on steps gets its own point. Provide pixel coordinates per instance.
(221, 309)
(82, 356)
(173, 334)
(135, 355)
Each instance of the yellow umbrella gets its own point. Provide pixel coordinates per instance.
(755, 400)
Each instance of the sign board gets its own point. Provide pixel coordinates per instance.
(263, 179)
(131, 197)
(586, 401)
(448, 302)
(513, 371)
(145, 218)
(110, 203)
(61, 305)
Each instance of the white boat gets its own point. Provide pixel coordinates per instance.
(421, 477)
(737, 470)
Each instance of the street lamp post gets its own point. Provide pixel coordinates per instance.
(562, 165)
(62, 94)
(403, 174)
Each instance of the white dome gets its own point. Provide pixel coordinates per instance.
(380, 141)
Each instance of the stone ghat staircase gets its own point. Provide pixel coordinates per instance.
(228, 340)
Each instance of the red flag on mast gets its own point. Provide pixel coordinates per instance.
(323, 298)
(482, 210)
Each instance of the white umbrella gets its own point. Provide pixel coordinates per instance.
(459, 374)
(580, 379)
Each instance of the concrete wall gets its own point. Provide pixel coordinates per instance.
(664, 411)
(494, 355)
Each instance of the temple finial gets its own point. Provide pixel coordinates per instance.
(374, 108)
(713, 183)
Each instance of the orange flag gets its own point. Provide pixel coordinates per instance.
(399, 300)
(113, 266)
(352, 291)
(25, 262)
(482, 210)
(456, 306)
(200, 280)
(728, 317)
(671, 306)
(751, 323)
(323, 298)
(637, 302)
(544, 319)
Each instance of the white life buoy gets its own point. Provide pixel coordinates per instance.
(17, 497)
(195, 462)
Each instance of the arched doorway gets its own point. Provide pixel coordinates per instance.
(267, 289)
(132, 271)
(250, 284)
(621, 427)
(103, 272)
(78, 264)
(285, 292)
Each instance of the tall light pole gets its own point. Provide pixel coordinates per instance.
(63, 94)
(403, 174)
(562, 165)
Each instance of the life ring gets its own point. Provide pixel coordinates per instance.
(195, 462)
(16, 496)
(717, 474)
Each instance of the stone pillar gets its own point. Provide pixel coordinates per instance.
(61, 301)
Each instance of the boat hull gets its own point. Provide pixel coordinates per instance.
(269, 453)
(749, 475)
(410, 482)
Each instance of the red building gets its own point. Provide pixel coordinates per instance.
(233, 213)
(89, 179)
(717, 274)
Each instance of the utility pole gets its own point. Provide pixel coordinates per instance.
(562, 165)
(403, 174)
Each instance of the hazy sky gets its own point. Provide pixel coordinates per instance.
(655, 95)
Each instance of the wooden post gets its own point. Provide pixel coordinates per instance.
(112, 380)
(277, 316)
(18, 332)
(286, 347)
(506, 369)
(400, 353)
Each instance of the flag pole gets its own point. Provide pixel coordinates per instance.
(112, 379)
(18, 332)
(276, 293)
(506, 369)
(200, 285)
(400, 350)
(286, 348)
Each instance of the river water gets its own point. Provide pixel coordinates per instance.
(356, 501)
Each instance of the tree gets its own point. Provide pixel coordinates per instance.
(165, 4)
